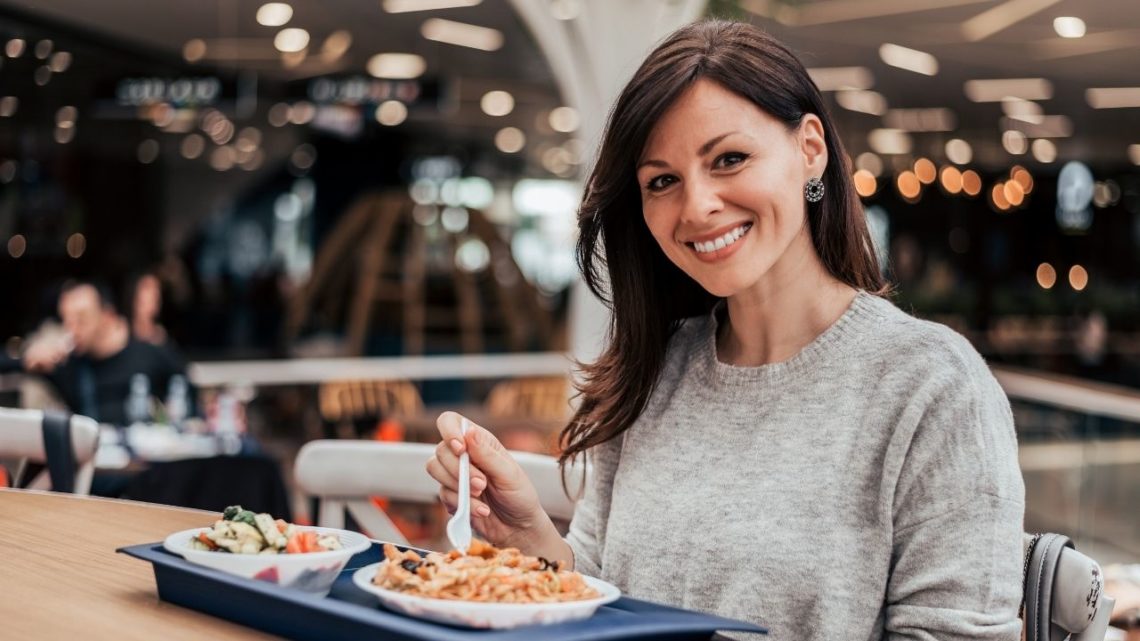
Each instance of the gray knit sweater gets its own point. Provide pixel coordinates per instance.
(866, 488)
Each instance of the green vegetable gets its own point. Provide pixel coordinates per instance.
(247, 517)
(231, 512)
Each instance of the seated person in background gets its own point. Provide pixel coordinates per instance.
(93, 360)
(145, 307)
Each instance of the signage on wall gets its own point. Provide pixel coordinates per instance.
(359, 89)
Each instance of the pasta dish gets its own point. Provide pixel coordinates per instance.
(485, 574)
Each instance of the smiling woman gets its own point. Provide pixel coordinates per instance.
(772, 440)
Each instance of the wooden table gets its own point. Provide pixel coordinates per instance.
(60, 577)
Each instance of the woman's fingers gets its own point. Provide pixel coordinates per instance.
(451, 501)
(444, 468)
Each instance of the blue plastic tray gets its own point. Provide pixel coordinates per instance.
(350, 613)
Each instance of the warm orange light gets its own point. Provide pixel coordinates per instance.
(951, 179)
(1022, 176)
(1078, 277)
(971, 182)
(909, 185)
(997, 197)
(925, 170)
(865, 183)
(1014, 193)
(1046, 276)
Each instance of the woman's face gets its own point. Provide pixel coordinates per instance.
(722, 189)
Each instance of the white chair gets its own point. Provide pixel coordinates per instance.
(1064, 592)
(343, 474)
(65, 443)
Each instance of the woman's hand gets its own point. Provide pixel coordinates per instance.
(504, 504)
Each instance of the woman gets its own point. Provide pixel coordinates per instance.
(772, 440)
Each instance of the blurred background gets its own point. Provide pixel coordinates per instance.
(339, 217)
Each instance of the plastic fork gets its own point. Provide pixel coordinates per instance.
(459, 527)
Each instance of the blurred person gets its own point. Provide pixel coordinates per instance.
(771, 438)
(146, 308)
(91, 362)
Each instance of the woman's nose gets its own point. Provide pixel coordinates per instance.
(702, 199)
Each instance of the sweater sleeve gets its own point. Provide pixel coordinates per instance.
(958, 513)
(586, 536)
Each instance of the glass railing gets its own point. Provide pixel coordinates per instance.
(1079, 444)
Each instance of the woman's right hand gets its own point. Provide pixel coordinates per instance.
(504, 503)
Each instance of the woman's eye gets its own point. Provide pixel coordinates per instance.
(730, 159)
(660, 182)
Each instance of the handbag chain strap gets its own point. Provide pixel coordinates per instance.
(1025, 571)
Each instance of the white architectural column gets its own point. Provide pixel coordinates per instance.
(592, 55)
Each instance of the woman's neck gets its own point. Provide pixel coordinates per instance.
(772, 321)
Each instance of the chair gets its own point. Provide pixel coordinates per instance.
(66, 443)
(362, 403)
(541, 398)
(343, 474)
(1064, 592)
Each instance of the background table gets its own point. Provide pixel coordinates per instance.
(60, 577)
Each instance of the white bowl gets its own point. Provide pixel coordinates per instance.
(475, 614)
(312, 572)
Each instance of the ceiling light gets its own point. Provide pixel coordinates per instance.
(396, 66)
(1134, 154)
(1014, 142)
(462, 34)
(14, 48)
(1019, 109)
(889, 141)
(1113, 97)
(407, 6)
(958, 151)
(42, 75)
(510, 140)
(1069, 27)
(336, 45)
(1046, 276)
(951, 179)
(391, 113)
(836, 78)
(1002, 17)
(43, 49)
(59, 61)
(937, 119)
(497, 103)
(564, 119)
(909, 59)
(1078, 277)
(925, 170)
(868, 102)
(908, 185)
(194, 50)
(996, 90)
(971, 182)
(1044, 150)
(274, 14)
(865, 183)
(291, 40)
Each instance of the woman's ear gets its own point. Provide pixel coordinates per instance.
(813, 145)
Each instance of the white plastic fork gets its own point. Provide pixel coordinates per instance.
(459, 527)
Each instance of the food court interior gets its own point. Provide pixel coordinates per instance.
(338, 218)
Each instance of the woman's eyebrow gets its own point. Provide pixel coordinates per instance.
(702, 151)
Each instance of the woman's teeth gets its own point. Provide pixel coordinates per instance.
(722, 242)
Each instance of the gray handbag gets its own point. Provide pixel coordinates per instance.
(1063, 592)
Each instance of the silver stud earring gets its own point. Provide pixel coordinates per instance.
(813, 190)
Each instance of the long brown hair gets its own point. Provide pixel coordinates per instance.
(648, 295)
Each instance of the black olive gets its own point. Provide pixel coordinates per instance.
(410, 565)
(548, 565)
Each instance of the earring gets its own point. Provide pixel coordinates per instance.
(813, 190)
